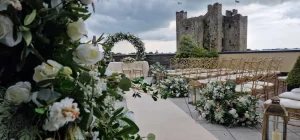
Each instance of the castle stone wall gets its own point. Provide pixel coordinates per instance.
(213, 30)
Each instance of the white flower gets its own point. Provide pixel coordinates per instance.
(18, 93)
(15, 3)
(86, 1)
(67, 71)
(87, 54)
(6, 32)
(45, 71)
(34, 99)
(232, 111)
(61, 113)
(108, 72)
(76, 30)
(45, 5)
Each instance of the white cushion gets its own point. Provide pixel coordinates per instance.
(239, 88)
(288, 103)
(297, 90)
(264, 83)
(290, 95)
(282, 77)
(249, 85)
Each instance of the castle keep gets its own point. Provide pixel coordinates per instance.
(213, 30)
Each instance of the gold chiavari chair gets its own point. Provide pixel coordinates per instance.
(138, 68)
(174, 68)
(249, 76)
(126, 69)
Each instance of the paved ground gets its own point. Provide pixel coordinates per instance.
(236, 133)
(164, 119)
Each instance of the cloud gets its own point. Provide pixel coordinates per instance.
(271, 23)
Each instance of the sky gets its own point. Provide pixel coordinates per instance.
(271, 23)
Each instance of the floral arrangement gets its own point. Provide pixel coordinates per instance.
(175, 87)
(128, 60)
(221, 104)
(54, 86)
(134, 40)
(157, 69)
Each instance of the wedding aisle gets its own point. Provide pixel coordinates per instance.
(164, 119)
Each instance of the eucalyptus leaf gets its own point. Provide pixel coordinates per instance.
(87, 119)
(151, 136)
(30, 17)
(27, 37)
(125, 131)
(23, 28)
(40, 110)
(125, 84)
(118, 111)
(48, 96)
(131, 124)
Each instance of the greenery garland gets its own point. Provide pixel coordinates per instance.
(135, 41)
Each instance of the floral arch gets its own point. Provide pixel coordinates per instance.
(135, 41)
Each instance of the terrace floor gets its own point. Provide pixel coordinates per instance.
(235, 133)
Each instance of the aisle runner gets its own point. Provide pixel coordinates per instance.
(165, 120)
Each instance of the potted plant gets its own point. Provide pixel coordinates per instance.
(293, 79)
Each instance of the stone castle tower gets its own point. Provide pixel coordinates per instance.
(213, 30)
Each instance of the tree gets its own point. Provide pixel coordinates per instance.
(156, 52)
(150, 53)
(188, 49)
(293, 79)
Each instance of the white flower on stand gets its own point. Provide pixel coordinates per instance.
(61, 113)
(18, 93)
(87, 54)
(76, 30)
(6, 32)
(45, 71)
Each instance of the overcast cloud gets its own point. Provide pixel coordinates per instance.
(271, 23)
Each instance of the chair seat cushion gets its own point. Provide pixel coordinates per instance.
(290, 95)
(238, 88)
(249, 85)
(297, 90)
(282, 77)
(262, 83)
(288, 103)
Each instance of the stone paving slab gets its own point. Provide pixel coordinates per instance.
(235, 133)
(165, 120)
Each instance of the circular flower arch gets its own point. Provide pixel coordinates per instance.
(135, 41)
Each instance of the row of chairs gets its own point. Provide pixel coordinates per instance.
(253, 75)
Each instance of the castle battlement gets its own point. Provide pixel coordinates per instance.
(213, 30)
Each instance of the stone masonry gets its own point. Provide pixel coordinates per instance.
(213, 30)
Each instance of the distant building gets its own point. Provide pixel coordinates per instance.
(213, 30)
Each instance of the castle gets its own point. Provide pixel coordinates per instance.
(213, 30)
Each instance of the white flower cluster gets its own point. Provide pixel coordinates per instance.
(155, 70)
(128, 60)
(99, 85)
(221, 104)
(175, 86)
(61, 113)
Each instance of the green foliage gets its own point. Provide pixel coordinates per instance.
(293, 78)
(189, 49)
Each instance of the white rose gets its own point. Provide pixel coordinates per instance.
(76, 30)
(19, 93)
(45, 71)
(15, 3)
(6, 32)
(86, 1)
(87, 54)
(232, 111)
